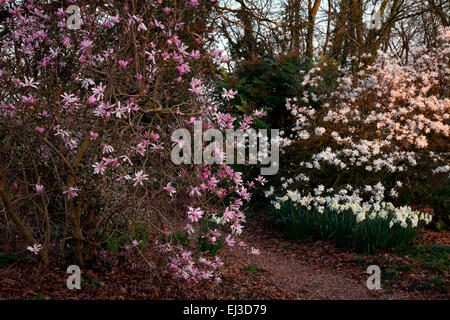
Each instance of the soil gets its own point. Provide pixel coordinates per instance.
(283, 270)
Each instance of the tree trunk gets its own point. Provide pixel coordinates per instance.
(312, 13)
(14, 217)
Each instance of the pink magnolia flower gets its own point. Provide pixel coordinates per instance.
(29, 82)
(189, 229)
(195, 54)
(229, 94)
(99, 168)
(107, 149)
(255, 252)
(196, 86)
(115, 19)
(261, 180)
(154, 136)
(139, 178)
(236, 228)
(72, 192)
(195, 214)
(94, 136)
(244, 194)
(228, 215)
(194, 191)
(29, 99)
(193, 3)
(142, 26)
(99, 91)
(40, 130)
(169, 188)
(191, 120)
(111, 161)
(230, 241)
(165, 55)
(242, 244)
(248, 119)
(61, 13)
(250, 184)
(45, 114)
(92, 100)
(259, 113)
(39, 188)
(183, 68)
(123, 63)
(219, 263)
(85, 44)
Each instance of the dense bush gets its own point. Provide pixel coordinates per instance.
(266, 83)
(383, 131)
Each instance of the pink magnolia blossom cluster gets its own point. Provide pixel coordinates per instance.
(86, 118)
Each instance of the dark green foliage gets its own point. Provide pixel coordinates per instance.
(435, 257)
(203, 242)
(293, 221)
(181, 238)
(391, 274)
(265, 83)
(435, 283)
(440, 200)
(117, 237)
(373, 235)
(251, 268)
(7, 260)
(430, 191)
(205, 245)
(88, 281)
(339, 227)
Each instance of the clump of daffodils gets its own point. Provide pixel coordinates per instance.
(404, 216)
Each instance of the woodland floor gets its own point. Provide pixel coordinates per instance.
(284, 270)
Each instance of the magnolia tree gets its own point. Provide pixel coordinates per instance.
(86, 117)
(380, 130)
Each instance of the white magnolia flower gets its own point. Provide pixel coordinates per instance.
(35, 248)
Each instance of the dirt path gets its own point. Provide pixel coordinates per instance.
(315, 271)
(306, 280)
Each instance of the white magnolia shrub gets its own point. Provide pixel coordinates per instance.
(377, 130)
